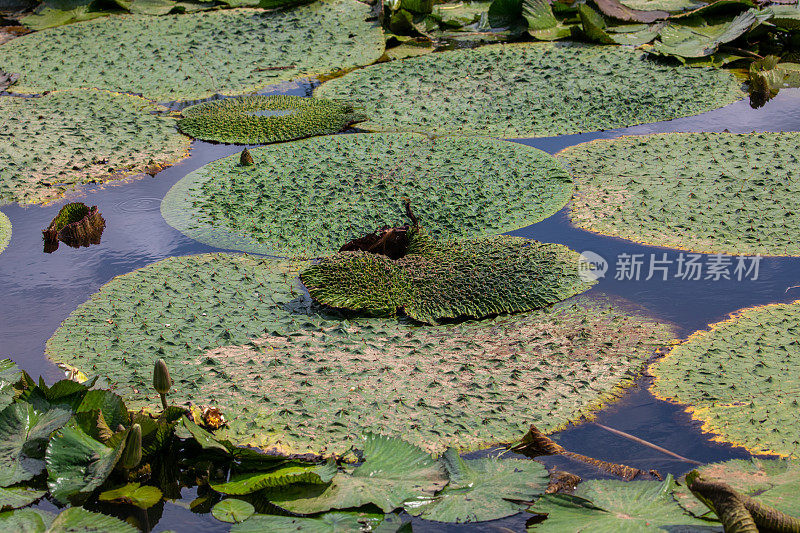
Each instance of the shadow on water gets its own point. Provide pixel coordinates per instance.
(38, 291)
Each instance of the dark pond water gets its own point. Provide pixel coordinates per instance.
(37, 291)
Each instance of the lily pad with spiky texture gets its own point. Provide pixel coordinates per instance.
(310, 197)
(16, 497)
(482, 489)
(265, 119)
(438, 280)
(773, 482)
(239, 332)
(611, 506)
(185, 57)
(529, 90)
(703, 192)
(5, 231)
(739, 378)
(337, 522)
(68, 138)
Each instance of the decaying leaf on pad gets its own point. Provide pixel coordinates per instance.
(75, 225)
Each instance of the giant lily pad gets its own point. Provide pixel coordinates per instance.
(265, 119)
(737, 378)
(5, 231)
(705, 192)
(68, 138)
(773, 482)
(529, 90)
(442, 280)
(194, 56)
(482, 489)
(238, 332)
(308, 198)
(611, 506)
(24, 433)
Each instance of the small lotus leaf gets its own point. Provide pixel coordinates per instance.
(233, 511)
(482, 489)
(186, 429)
(611, 506)
(24, 433)
(133, 494)
(10, 374)
(327, 523)
(79, 520)
(16, 497)
(738, 378)
(25, 521)
(697, 37)
(286, 474)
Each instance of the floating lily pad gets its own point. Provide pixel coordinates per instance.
(16, 497)
(25, 521)
(308, 198)
(238, 332)
(233, 511)
(265, 119)
(737, 378)
(439, 280)
(773, 482)
(24, 433)
(249, 482)
(184, 57)
(78, 519)
(68, 138)
(5, 231)
(529, 90)
(704, 192)
(482, 489)
(611, 506)
(672, 6)
(326, 523)
(143, 497)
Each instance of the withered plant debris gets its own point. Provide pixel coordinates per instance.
(246, 159)
(388, 241)
(738, 512)
(7, 79)
(536, 444)
(562, 482)
(75, 225)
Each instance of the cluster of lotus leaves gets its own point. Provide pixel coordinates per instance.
(265, 119)
(5, 231)
(704, 192)
(307, 198)
(65, 139)
(69, 520)
(529, 90)
(737, 378)
(772, 482)
(238, 332)
(195, 56)
(439, 280)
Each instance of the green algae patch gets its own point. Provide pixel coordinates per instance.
(307, 198)
(773, 482)
(702, 192)
(184, 57)
(5, 231)
(65, 139)
(439, 280)
(610, 506)
(265, 119)
(739, 378)
(238, 332)
(529, 90)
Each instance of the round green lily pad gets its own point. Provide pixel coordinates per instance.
(238, 332)
(529, 90)
(612, 506)
(739, 378)
(185, 57)
(308, 198)
(68, 138)
(232, 510)
(703, 192)
(773, 482)
(5, 231)
(439, 280)
(265, 119)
